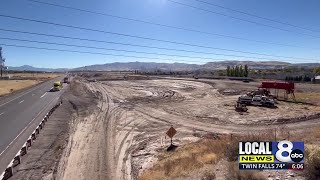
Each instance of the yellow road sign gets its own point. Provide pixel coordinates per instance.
(171, 132)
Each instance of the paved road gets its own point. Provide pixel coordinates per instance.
(19, 116)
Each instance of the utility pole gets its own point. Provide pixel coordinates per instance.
(2, 60)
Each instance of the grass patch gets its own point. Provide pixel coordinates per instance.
(20, 81)
(235, 174)
(9, 86)
(308, 97)
(316, 133)
(209, 175)
(186, 159)
(34, 76)
(310, 137)
(312, 169)
(192, 157)
(195, 157)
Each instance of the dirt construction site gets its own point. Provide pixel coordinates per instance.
(118, 128)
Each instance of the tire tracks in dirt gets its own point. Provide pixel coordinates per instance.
(119, 137)
(108, 131)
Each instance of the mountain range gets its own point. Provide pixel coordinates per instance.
(151, 66)
(31, 68)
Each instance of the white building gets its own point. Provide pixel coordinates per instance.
(317, 79)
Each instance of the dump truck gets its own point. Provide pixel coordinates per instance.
(57, 86)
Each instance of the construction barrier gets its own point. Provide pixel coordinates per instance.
(29, 142)
(16, 160)
(24, 149)
(37, 130)
(33, 136)
(8, 172)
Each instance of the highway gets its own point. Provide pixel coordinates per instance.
(19, 116)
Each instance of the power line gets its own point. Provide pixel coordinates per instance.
(129, 44)
(141, 37)
(112, 42)
(256, 16)
(240, 19)
(87, 52)
(161, 25)
(130, 51)
(106, 54)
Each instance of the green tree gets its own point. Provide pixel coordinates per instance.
(246, 71)
(306, 78)
(228, 71)
(316, 70)
(241, 71)
(236, 71)
(232, 72)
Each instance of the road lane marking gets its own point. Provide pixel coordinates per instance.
(1, 113)
(39, 113)
(14, 139)
(44, 95)
(39, 86)
(21, 101)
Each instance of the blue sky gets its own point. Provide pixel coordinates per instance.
(300, 13)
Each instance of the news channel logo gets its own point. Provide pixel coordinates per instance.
(288, 152)
(282, 154)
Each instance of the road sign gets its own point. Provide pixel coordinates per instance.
(171, 132)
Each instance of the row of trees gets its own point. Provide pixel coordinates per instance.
(316, 71)
(304, 78)
(238, 71)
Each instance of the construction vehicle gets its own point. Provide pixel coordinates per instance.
(66, 80)
(57, 86)
(259, 100)
(256, 100)
(241, 107)
(245, 99)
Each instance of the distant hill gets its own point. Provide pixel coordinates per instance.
(142, 66)
(251, 64)
(31, 68)
(152, 66)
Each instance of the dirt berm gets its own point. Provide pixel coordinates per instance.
(84, 155)
(43, 159)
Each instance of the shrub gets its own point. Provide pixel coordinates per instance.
(209, 175)
(312, 169)
(235, 174)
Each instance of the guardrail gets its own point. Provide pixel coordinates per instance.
(26, 146)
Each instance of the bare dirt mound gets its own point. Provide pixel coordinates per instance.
(84, 154)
